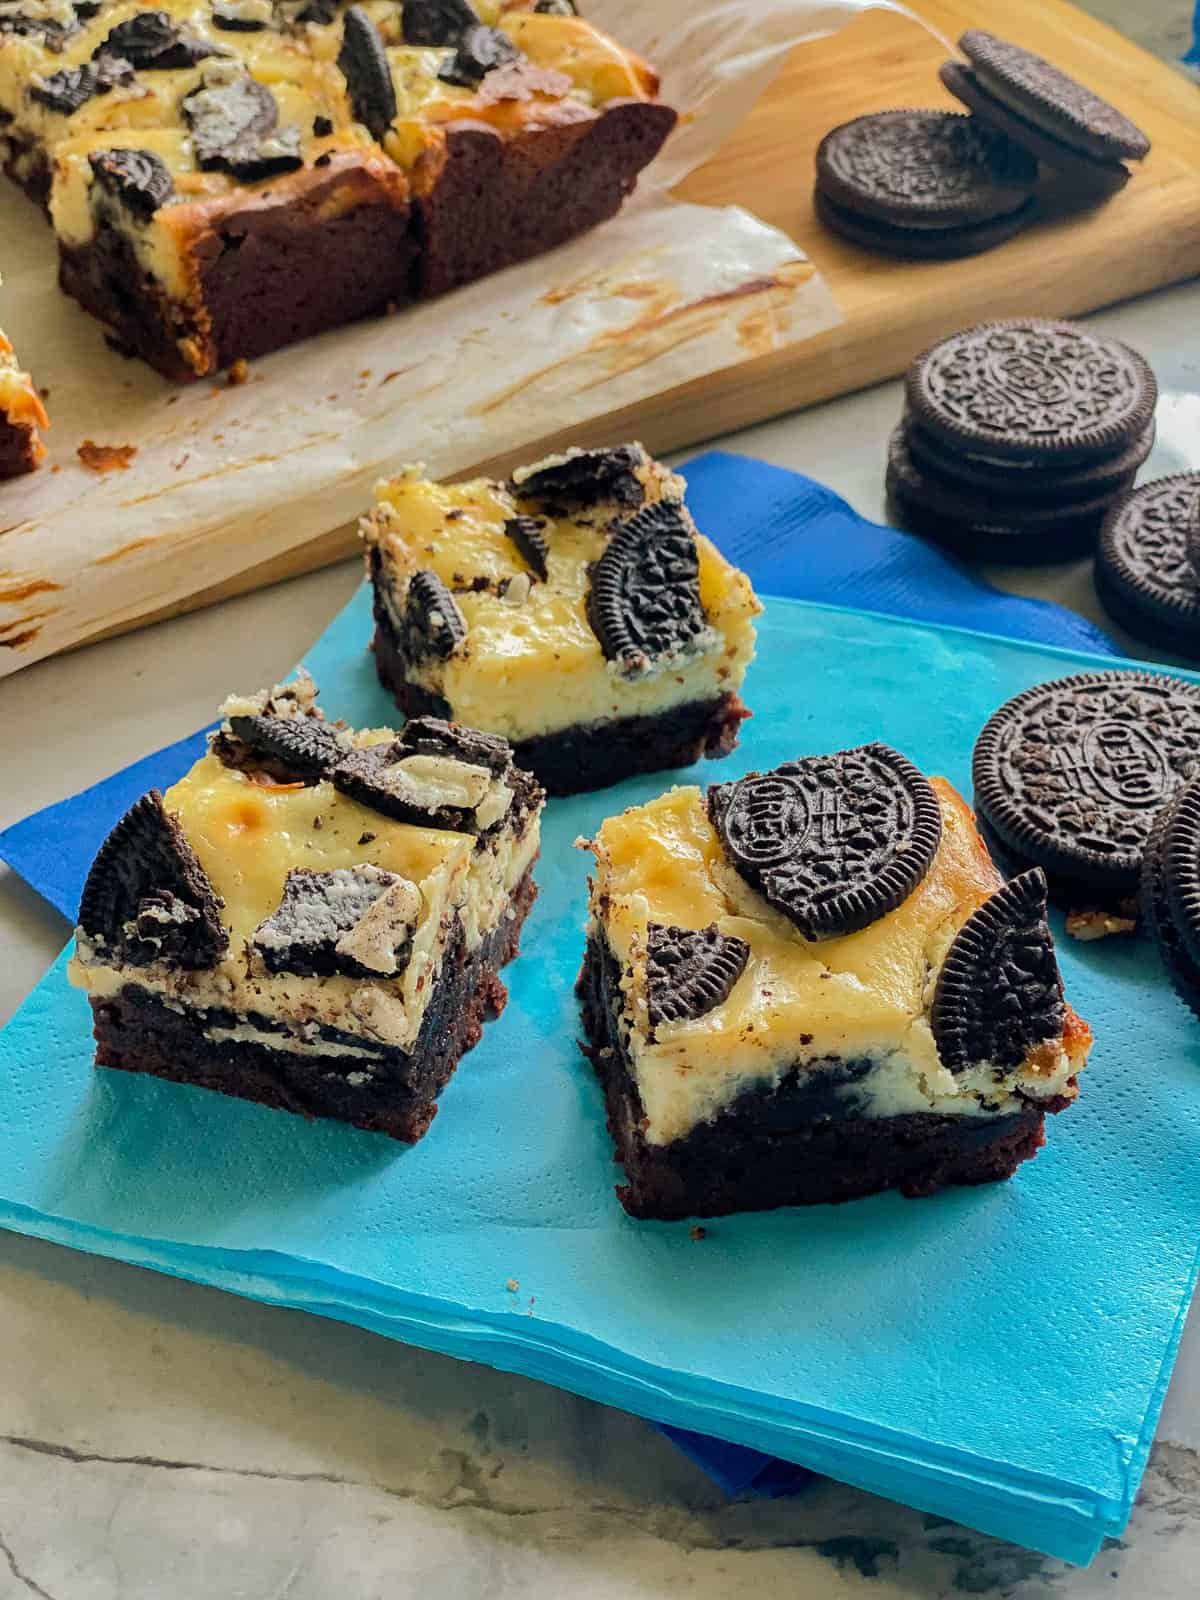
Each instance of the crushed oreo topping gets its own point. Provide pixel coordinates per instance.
(55, 20)
(437, 22)
(322, 127)
(235, 128)
(153, 42)
(147, 898)
(833, 842)
(364, 65)
(690, 973)
(480, 51)
(583, 478)
(139, 179)
(242, 16)
(433, 623)
(999, 992)
(68, 90)
(429, 790)
(290, 749)
(353, 921)
(644, 601)
(526, 533)
(431, 736)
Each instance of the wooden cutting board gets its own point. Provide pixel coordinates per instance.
(1146, 237)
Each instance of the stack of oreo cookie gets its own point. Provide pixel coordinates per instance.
(1169, 896)
(937, 184)
(1148, 563)
(1018, 437)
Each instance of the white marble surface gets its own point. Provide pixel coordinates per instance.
(157, 1439)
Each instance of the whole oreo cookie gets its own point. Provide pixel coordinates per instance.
(1155, 908)
(923, 169)
(147, 898)
(832, 842)
(689, 974)
(1070, 774)
(1092, 178)
(999, 992)
(1144, 571)
(1051, 99)
(982, 525)
(1026, 479)
(643, 600)
(1032, 389)
(920, 243)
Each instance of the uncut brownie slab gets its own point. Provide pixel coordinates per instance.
(21, 415)
(813, 984)
(574, 610)
(312, 918)
(229, 176)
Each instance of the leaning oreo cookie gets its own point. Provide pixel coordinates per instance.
(986, 527)
(999, 992)
(644, 601)
(1070, 775)
(832, 842)
(147, 898)
(1154, 905)
(689, 974)
(1144, 572)
(1034, 390)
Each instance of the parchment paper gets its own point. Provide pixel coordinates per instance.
(225, 479)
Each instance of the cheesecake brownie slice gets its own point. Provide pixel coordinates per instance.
(812, 984)
(21, 415)
(229, 176)
(312, 918)
(574, 610)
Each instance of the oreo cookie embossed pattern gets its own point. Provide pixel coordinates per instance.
(1017, 438)
(1145, 572)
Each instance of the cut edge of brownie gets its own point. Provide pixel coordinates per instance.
(819, 1160)
(136, 1032)
(587, 756)
(20, 448)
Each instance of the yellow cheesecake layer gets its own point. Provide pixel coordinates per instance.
(249, 834)
(867, 995)
(532, 664)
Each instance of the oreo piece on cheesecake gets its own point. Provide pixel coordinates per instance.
(923, 184)
(919, 1041)
(1145, 576)
(1070, 775)
(1052, 115)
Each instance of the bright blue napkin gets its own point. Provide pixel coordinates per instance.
(1193, 55)
(796, 538)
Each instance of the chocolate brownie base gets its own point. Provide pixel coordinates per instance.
(792, 1146)
(335, 250)
(496, 200)
(590, 755)
(136, 1032)
(19, 449)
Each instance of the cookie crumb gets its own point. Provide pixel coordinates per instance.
(106, 457)
(697, 1233)
(238, 373)
(511, 1285)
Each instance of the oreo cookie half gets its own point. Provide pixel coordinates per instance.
(999, 992)
(923, 169)
(235, 128)
(526, 533)
(433, 623)
(353, 921)
(644, 601)
(153, 42)
(139, 179)
(1052, 100)
(689, 974)
(1144, 571)
(288, 749)
(1032, 389)
(1070, 774)
(431, 736)
(832, 842)
(147, 898)
(580, 479)
(367, 71)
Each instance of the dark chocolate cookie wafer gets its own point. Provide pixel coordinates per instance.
(1050, 99)
(920, 243)
(1144, 575)
(983, 526)
(923, 169)
(1029, 389)
(1028, 479)
(1095, 179)
(690, 973)
(1155, 907)
(832, 842)
(1071, 774)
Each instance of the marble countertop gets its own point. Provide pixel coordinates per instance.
(158, 1439)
